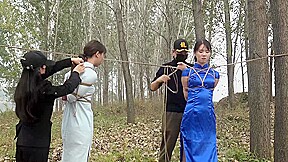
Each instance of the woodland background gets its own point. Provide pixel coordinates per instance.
(144, 31)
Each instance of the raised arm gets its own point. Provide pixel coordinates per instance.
(68, 86)
(158, 82)
(60, 65)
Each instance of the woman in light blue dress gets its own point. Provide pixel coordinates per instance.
(198, 127)
(77, 123)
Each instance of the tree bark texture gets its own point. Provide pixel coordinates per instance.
(258, 80)
(198, 19)
(280, 39)
(125, 66)
(230, 68)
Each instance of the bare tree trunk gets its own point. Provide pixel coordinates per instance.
(141, 75)
(246, 41)
(119, 85)
(259, 106)
(198, 19)
(271, 59)
(46, 25)
(105, 66)
(60, 102)
(230, 68)
(148, 81)
(99, 88)
(280, 39)
(125, 66)
(135, 90)
(105, 82)
(169, 28)
(211, 18)
(242, 70)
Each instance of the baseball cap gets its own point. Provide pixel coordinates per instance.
(181, 45)
(35, 59)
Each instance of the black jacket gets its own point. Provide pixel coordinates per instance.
(38, 133)
(175, 101)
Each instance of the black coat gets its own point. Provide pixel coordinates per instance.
(38, 133)
(175, 101)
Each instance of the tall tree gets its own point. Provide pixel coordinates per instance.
(125, 66)
(258, 79)
(198, 19)
(230, 68)
(280, 39)
(46, 25)
(105, 65)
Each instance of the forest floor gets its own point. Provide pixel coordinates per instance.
(115, 140)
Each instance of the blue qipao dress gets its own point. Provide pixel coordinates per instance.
(198, 127)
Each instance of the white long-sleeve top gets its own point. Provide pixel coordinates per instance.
(77, 123)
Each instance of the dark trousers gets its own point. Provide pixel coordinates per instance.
(31, 154)
(170, 129)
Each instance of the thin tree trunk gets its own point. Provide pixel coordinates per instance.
(148, 80)
(230, 68)
(125, 66)
(99, 88)
(106, 64)
(46, 25)
(271, 59)
(105, 82)
(119, 83)
(54, 47)
(242, 70)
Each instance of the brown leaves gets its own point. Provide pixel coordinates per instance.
(140, 136)
(115, 140)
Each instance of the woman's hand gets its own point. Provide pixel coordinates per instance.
(77, 60)
(80, 68)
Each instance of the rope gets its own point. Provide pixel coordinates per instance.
(32, 49)
(165, 117)
(75, 55)
(143, 63)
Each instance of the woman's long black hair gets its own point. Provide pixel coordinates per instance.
(26, 94)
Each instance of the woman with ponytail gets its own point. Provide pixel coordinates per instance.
(77, 123)
(34, 97)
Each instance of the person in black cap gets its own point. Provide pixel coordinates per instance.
(34, 97)
(175, 102)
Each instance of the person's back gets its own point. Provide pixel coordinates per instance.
(77, 124)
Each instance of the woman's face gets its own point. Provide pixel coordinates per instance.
(202, 54)
(99, 58)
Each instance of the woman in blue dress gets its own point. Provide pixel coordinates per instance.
(198, 127)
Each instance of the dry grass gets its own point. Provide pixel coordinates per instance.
(115, 140)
